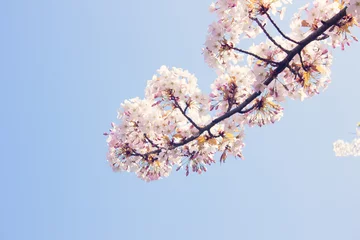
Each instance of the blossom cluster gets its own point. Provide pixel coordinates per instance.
(236, 20)
(178, 126)
(344, 149)
(149, 140)
(322, 10)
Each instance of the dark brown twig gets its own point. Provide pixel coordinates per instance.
(249, 109)
(151, 142)
(185, 115)
(256, 56)
(302, 63)
(269, 36)
(279, 30)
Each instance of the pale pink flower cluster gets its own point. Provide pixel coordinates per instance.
(268, 111)
(231, 88)
(221, 54)
(345, 149)
(235, 21)
(313, 72)
(146, 141)
(320, 12)
(176, 125)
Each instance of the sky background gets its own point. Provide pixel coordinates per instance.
(65, 67)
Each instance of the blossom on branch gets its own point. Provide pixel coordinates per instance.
(178, 126)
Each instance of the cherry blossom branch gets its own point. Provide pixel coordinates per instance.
(269, 36)
(280, 68)
(279, 30)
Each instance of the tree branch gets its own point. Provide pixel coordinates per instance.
(256, 56)
(302, 62)
(282, 65)
(186, 116)
(151, 142)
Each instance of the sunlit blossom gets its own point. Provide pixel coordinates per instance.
(177, 126)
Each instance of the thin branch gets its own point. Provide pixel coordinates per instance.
(279, 30)
(136, 154)
(210, 134)
(302, 63)
(256, 56)
(151, 142)
(268, 35)
(229, 106)
(295, 72)
(185, 115)
(282, 84)
(249, 109)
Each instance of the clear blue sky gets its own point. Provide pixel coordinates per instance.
(65, 67)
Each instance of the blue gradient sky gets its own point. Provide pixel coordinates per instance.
(65, 67)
